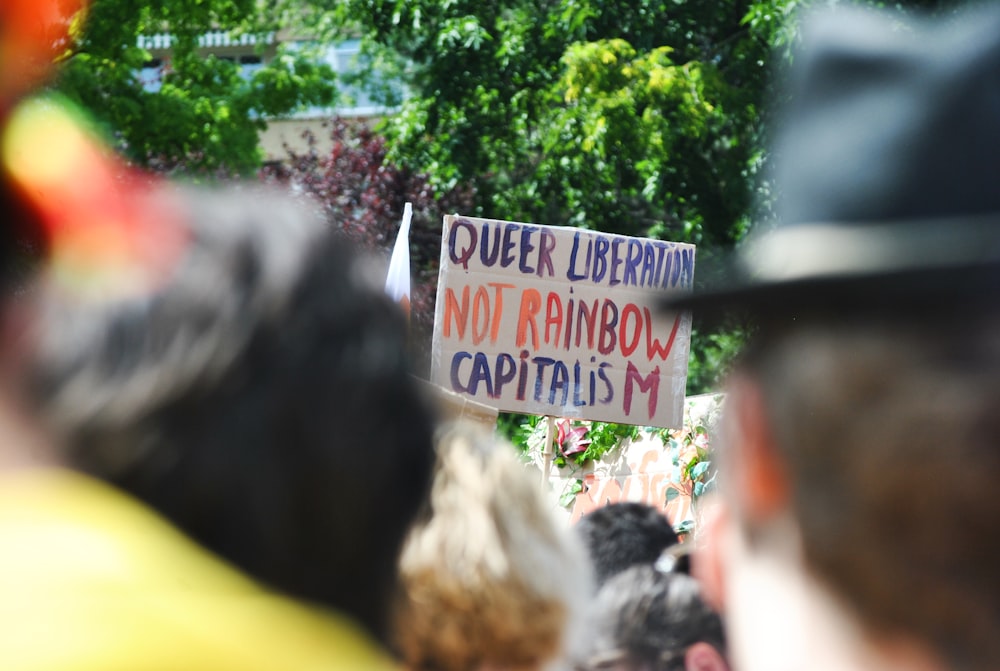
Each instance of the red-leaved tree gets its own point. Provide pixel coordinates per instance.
(364, 195)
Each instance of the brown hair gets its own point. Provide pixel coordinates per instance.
(490, 576)
(890, 430)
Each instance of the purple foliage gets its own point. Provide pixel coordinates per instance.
(363, 194)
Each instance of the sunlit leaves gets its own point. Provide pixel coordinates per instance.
(205, 117)
(465, 32)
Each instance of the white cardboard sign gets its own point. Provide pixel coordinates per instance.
(562, 321)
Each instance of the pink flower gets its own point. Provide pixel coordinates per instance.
(571, 438)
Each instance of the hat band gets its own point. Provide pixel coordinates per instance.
(827, 250)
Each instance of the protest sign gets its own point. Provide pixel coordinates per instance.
(562, 321)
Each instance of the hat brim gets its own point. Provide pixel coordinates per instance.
(857, 268)
(903, 291)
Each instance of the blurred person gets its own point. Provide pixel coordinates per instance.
(862, 451)
(256, 393)
(647, 619)
(620, 535)
(89, 577)
(490, 578)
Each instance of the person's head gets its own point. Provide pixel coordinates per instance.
(256, 393)
(645, 619)
(880, 438)
(620, 535)
(491, 578)
(863, 418)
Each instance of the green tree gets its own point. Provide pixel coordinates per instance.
(643, 117)
(205, 117)
(633, 117)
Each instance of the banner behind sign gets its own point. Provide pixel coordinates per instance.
(561, 321)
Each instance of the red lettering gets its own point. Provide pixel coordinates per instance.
(480, 315)
(609, 320)
(647, 385)
(633, 310)
(553, 317)
(451, 308)
(531, 303)
(652, 344)
(497, 308)
(588, 317)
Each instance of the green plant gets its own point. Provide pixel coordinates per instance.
(576, 442)
(568, 496)
(689, 450)
(522, 431)
(605, 436)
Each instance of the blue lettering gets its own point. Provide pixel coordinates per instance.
(687, 258)
(577, 401)
(526, 248)
(571, 273)
(615, 262)
(489, 257)
(607, 383)
(506, 258)
(480, 373)
(601, 246)
(648, 265)
(632, 262)
(503, 374)
(560, 382)
(456, 361)
(542, 362)
(461, 258)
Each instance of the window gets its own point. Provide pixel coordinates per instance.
(353, 101)
(151, 75)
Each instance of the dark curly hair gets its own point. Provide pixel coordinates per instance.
(260, 398)
(645, 618)
(621, 535)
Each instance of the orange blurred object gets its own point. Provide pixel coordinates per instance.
(109, 229)
(33, 33)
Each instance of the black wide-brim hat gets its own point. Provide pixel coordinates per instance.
(886, 163)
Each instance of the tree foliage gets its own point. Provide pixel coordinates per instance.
(205, 116)
(642, 117)
(631, 117)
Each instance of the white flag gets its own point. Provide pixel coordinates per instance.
(397, 282)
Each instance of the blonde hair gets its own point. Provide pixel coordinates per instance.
(490, 576)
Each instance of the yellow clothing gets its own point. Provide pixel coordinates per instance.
(91, 580)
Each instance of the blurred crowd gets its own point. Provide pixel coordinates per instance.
(214, 453)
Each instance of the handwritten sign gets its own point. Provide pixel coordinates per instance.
(561, 321)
